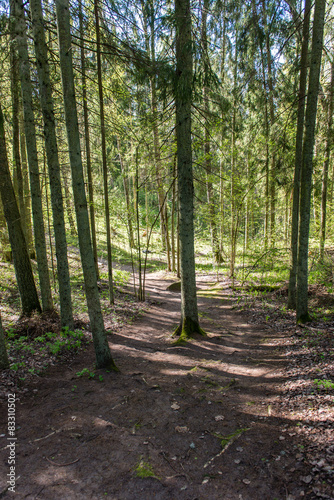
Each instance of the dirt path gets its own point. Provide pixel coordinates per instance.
(202, 420)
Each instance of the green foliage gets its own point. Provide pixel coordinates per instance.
(321, 271)
(50, 343)
(144, 469)
(16, 366)
(324, 384)
(86, 371)
(120, 277)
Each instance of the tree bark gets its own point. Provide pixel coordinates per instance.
(298, 157)
(328, 147)
(104, 152)
(68, 200)
(307, 166)
(207, 145)
(102, 350)
(150, 45)
(30, 133)
(27, 229)
(127, 194)
(4, 362)
(272, 170)
(15, 93)
(87, 142)
(183, 98)
(23, 271)
(53, 164)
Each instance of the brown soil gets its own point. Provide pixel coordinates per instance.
(218, 418)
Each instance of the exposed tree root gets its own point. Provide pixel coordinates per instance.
(187, 330)
(304, 318)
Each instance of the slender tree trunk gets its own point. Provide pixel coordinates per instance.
(221, 166)
(233, 201)
(174, 204)
(53, 164)
(27, 229)
(183, 97)
(22, 264)
(307, 165)
(234, 215)
(104, 151)
(49, 222)
(298, 157)
(4, 241)
(102, 350)
(147, 210)
(4, 362)
(207, 145)
(68, 202)
(87, 142)
(15, 93)
(127, 195)
(178, 259)
(328, 147)
(223, 41)
(141, 291)
(272, 171)
(287, 225)
(267, 171)
(30, 133)
(156, 139)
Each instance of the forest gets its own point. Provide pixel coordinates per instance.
(167, 178)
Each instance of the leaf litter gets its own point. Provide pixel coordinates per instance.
(273, 364)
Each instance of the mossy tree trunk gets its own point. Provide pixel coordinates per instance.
(65, 174)
(87, 141)
(34, 174)
(27, 229)
(189, 324)
(101, 346)
(22, 264)
(104, 150)
(15, 94)
(53, 164)
(328, 146)
(307, 165)
(298, 158)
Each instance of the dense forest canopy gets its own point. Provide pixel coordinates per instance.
(114, 110)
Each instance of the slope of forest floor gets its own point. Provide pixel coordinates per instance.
(246, 413)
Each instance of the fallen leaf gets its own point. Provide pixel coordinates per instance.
(175, 406)
(181, 429)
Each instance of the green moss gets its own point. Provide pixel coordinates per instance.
(187, 330)
(225, 440)
(144, 469)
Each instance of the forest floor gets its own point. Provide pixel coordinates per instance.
(245, 413)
